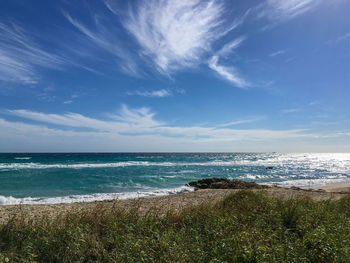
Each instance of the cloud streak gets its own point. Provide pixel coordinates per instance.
(137, 129)
(277, 53)
(141, 121)
(232, 123)
(286, 9)
(105, 39)
(21, 57)
(291, 110)
(228, 72)
(151, 94)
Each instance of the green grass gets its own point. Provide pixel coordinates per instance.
(244, 227)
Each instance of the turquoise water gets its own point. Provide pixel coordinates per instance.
(70, 177)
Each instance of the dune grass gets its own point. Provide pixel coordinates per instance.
(244, 227)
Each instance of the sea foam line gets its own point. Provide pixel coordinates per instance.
(9, 200)
(32, 165)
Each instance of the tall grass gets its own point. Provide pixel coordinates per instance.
(244, 227)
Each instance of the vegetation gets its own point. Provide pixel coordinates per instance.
(245, 227)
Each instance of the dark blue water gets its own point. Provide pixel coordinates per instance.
(69, 177)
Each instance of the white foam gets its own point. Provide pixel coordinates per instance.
(17, 166)
(9, 200)
(335, 163)
(31, 165)
(23, 158)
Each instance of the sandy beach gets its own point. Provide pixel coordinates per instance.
(336, 188)
(170, 202)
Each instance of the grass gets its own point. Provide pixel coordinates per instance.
(244, 227)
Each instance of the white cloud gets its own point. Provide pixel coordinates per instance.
(339, 39)
(230, 47)
(277, 53)
(228, 73)
(176, 34)
(105, 39)
(168, 35)
(343, 37)
(232, 123)
(138, 130)
(152, 94)
(291, 110)
(141, 121)
(21, 56)
(135, 120)
(286, 9)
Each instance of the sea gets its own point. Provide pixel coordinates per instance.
(51, 178)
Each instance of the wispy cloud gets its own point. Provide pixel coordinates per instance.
(21, 136)
(339, 39)
(166, 36)
(177, 34)
(228, 72)
(291, 110)
(46, 94)
(142, 121)
(277, 53)
(286, 9)
(343, 37)
(151, 94)
(232, 123)
(127, 120)
(106, 40)
(137, 129)
(21, 57)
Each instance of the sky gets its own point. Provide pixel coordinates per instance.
(175, 76)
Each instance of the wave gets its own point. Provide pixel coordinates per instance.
(17, 166)
(23, 158)
(330, 165)
(32, 165)
(9, 200)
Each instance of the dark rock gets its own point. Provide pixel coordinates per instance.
(222, 183)
(269, 167)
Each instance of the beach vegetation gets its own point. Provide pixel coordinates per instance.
(247, 226)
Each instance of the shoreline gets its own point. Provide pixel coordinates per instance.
(172, 202)
(107, 197)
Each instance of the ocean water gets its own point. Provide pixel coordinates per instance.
(33, 178)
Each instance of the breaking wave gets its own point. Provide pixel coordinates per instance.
(9, 200)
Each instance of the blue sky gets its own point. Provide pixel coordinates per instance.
(157, 75)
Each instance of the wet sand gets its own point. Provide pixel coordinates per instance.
(166, 203)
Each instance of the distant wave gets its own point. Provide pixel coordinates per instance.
(23, 158)
(32, 165)
(9, 200)
(334, 165)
